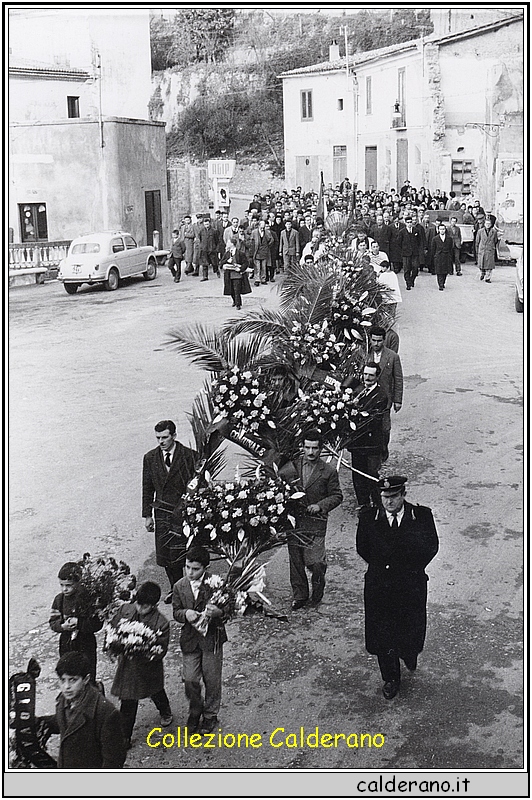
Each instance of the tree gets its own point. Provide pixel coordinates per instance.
(210, 31)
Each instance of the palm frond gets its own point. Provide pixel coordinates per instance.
(320, 305)
(336, 222)
(302, 279)
(209, 444)
(202, 345)
(244, 352)
(265, 324)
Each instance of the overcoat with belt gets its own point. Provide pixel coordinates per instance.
(163, 491)
(486, 242)
(395, 584)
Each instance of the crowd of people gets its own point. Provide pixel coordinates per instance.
(393, 233)
(415, 230)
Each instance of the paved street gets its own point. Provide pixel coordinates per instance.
(89, 378)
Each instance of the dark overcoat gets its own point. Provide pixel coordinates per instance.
(163, 491)
(486, 243)
(137, 677)
(241, 260)
(183, 599)
(395, 585)
(442, 254)
(92, 737)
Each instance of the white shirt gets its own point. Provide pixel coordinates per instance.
(398, 516)
(171, 454)
(195, 586)
(390, 281)
(376, 357)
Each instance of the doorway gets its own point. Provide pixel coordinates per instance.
(371, 168)
(402, 162)
(153, 216)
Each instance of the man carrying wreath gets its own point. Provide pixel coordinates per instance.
(306, 544)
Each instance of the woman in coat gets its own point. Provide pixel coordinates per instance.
(486, 246)
(442, 255)
(234, 264)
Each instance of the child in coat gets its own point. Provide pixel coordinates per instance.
(202, 655)
(137, 676)
(76, 629)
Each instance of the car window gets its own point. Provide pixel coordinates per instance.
(117, 245)
(85, 247)
(130, 242)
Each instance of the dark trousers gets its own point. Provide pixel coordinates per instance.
(366, 489)
(129, 708)
(389, 664)
(386, 432)
(441, 278)
(203, 665)
(410, 269)
(174, 573)
(236, 289)
(456, 260)
(307, 552)
(174, 266)
(209, 259)
(270, 271)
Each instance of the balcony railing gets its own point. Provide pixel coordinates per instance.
(398, 117)
(37, 254)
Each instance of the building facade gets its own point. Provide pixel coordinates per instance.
(444, 111)
(83, 154)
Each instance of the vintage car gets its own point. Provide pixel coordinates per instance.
(105, 258)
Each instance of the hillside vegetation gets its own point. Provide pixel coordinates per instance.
(234, 58)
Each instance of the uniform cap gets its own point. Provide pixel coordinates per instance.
(393, 484)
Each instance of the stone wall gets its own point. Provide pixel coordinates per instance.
(188, 190)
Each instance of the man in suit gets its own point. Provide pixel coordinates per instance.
(261, 241)
(166, 472)
(430, 232)
(410, 241)
(381, 233)
(208, 242)
(366, 445)
(306, 545)
(397, 540)
(456, 235)
(390, 380)
(442, 255)
(289, 249)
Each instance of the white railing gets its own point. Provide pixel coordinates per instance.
(37, 254)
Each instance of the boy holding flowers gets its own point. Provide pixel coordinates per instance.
(202, 654)
(140, 670)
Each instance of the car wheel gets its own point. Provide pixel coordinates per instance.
(112, 281)
(151, 271)
(518, 303)
(71, 288)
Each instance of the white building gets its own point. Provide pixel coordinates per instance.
(445, 112)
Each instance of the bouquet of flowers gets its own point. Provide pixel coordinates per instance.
(104, 585)
(237, 396)
(349, 318)
(131, 638)
(316, 344)
(330, 410)
(235, 593)
(245, 514)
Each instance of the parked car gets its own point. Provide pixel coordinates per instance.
(105, 257)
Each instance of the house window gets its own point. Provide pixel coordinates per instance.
(340, 104)
(368, 95)
(306, 105)
(73, 107)
(401, 94)
(33, 223)
(461, 177)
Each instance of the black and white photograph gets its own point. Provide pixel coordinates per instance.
(273, 524)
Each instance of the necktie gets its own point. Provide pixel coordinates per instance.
(168, 460)
(395, 524)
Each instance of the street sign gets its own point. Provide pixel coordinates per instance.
(221, 168)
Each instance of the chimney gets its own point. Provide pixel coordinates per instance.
(334, 51)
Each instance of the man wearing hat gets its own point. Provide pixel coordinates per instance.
(397, 540)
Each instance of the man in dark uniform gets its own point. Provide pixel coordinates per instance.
(166, 472)
(397, 541)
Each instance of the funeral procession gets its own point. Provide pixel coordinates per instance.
(266, 369)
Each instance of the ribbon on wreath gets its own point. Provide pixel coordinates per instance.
(31, 733)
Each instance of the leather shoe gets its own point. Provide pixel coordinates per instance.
(193, 724)
(208, 724)
(297, 604)
(390, 689)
